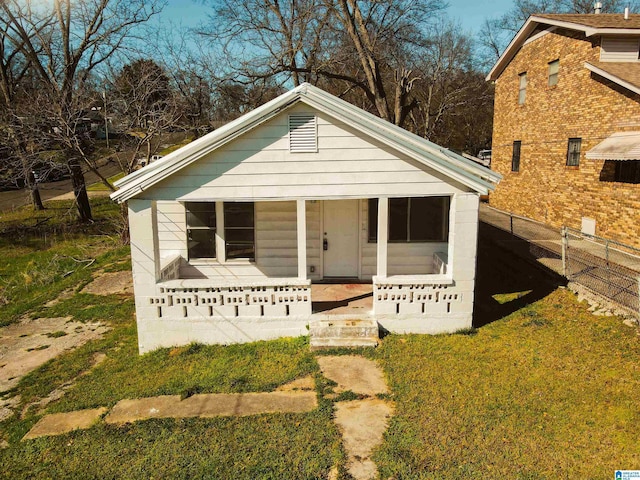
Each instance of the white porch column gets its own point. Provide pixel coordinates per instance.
(383, 235)
(302, 238)
(145, 260)
(221, 252)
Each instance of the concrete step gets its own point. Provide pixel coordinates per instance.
(344, 333)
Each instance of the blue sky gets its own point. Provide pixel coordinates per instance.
(470, 13)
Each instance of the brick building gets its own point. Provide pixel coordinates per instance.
(566, 134)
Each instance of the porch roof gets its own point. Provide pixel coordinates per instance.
(456, 167)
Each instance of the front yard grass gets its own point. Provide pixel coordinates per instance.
(549, 391)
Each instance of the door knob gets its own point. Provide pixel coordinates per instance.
(325, 244)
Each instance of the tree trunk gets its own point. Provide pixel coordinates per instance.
(80, 191)
(34, 190)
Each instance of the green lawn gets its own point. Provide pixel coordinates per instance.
(547, 391)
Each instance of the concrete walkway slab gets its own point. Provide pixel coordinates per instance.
(59, 423)
(212, 405)
(350, 372)
(362, 423)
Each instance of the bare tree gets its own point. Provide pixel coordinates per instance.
(145, 105)
(368, 46)
(64, 42)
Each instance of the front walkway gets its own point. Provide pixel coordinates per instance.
(362, 422)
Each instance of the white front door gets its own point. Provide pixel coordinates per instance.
(340, 238)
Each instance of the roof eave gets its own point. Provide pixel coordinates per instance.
(612, 77)
(530, 25)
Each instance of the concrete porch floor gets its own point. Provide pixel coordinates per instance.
(342, 299)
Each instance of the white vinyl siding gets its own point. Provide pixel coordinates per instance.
(616, 49)
(259, 166)
(172, 229)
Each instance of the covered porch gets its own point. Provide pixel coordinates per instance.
(228, 300)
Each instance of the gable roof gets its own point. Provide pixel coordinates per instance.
(589, 24)
(431, 155)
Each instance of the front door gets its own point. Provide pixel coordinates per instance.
(340, 238)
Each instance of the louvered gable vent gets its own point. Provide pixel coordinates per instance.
(303, 133)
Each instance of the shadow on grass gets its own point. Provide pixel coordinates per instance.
(508, 276)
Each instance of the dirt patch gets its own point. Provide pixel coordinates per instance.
(304, 383)
(350, 372)
(21, 344)
(111, 283)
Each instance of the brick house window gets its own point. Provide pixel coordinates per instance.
(554, 67)
(627, 171)
(515, 157)
(522, 92)
(573, 152)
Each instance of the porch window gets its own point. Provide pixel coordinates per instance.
(201, 229)
(412, 220)
(239, 231)
(237, 225)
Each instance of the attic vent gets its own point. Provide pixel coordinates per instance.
(303, 133)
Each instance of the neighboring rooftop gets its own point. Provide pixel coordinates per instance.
(601, 20)
(589, 23)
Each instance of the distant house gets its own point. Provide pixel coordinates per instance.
(228, 232)
(566, 133)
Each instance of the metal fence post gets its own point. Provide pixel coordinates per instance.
(511, 221)
(639, 299)
(564, 251)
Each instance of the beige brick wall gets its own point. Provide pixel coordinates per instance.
(580, 105)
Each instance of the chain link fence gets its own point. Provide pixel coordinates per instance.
(608, 268)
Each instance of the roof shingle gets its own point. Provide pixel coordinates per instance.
(602, 20)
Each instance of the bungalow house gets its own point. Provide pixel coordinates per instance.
(229, 232)
(566, 131)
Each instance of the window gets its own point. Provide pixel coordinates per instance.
(522, 92)
(554, 67)
(515, 157)
(237, 225)
(627, 171)
(201, 229)
(415, 219)
(573, 152)
(239, 230)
